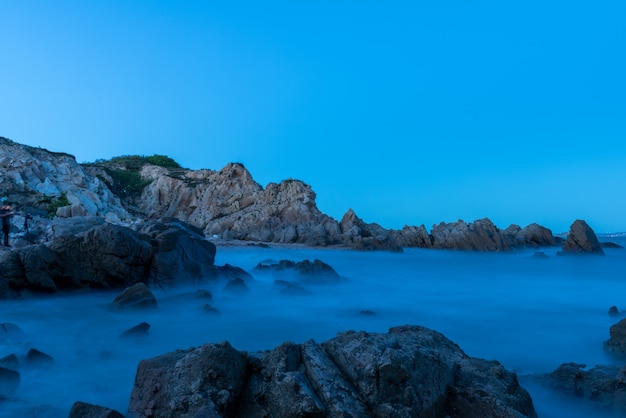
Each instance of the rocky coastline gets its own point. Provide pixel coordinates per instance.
(83, 236)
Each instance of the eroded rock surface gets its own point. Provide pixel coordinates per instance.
(410, 371)
(581, 239)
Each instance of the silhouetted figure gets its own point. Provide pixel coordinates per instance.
(6, 211)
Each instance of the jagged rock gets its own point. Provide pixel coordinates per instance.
(535, 235)
(316, 272)
(617, 340)
(36, 358)
(136, 297)
(185, 382)
(410, 371)
(139, 330)
(411, 236)
(34, 176)
(581, 240)
(481, 235)
(9, 381)
(367, 237)
(208, 308)
(603, 385)
(230, 204)
(87, 410)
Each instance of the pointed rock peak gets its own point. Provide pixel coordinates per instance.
(350, 216)
(581, 239)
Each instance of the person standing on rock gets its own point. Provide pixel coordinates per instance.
(6, 212)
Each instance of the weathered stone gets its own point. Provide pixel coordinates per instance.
(10, 361)
(481, 235)
(307, 272)
(86, 410)
(408, 372)
(237, 286)
(136, 297)
(535, 235)
(581, 240)
(183, 383)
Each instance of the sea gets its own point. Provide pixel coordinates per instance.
(531, 313)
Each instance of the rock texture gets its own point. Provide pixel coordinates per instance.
(109, 256)
(410, 371)
(603, 385)
(306, 272)
(35, 176)
(581, 240)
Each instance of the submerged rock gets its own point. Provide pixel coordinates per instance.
(9, 381)
(87, 410)
(36, 358)
(139, 330)
(410, 371)
(307, 272)
(136, 297)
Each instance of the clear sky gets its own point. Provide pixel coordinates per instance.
(409, 112)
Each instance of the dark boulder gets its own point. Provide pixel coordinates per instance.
(181, 252)
(612, 245)
(602, 385)
(534, 235)
(86, 410)
(410, 371)
(236, 286)
(613, 311)
(36, 358)
(139, 330)
(9, 381)
(136, 297)
(581, 240)
(184, 383)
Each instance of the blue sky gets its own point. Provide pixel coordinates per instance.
(407, 112)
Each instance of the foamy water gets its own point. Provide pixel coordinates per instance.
(531, 314)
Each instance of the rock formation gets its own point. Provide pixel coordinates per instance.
(107, 256)
(617, 340)
(227, 204)
(581, 240)
(410, 371)
(603, 385)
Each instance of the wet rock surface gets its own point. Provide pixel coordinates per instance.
(409, 371)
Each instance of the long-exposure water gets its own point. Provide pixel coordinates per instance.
(531, 314)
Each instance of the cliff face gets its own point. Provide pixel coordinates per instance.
(37, 179)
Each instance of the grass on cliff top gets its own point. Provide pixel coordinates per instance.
(124, 170)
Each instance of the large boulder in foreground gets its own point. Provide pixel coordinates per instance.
(581, 240)
(410, 371)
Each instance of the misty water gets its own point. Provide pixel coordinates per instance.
(531, 314)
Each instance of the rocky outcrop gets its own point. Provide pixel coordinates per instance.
(108, 256)
(581, 240)
(410, 371)
(230, 204)
(602, 385)
(35, 177)
(133, 298)
(617, 340)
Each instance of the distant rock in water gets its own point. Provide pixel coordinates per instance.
(139, 330)
(611, 245)
(581, 240)
(602, 385)
(408, 372)
(9, 381)
(613, 311)
(307, 272)
(136, 297)
(38, 358)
